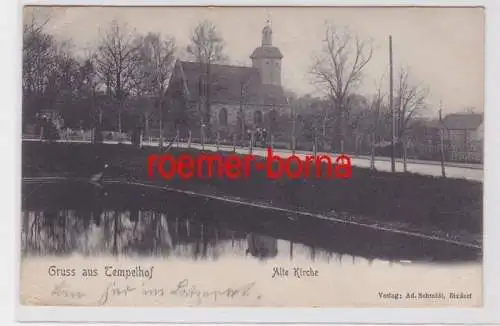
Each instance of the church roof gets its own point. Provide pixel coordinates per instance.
(270, 52)
(227, 82)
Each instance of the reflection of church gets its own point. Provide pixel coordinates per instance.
(253, 92)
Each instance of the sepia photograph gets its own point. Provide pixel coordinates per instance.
(252, 156)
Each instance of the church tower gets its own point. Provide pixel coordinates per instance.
(267, 58)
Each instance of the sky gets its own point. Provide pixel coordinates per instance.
(443, 48)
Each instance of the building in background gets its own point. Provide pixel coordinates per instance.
(464, 135)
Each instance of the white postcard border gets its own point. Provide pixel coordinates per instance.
(489, 314)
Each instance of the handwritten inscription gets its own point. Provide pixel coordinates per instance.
(133, 283)
(112, 290)
(182, 288)
(185, 289)
(62, 289)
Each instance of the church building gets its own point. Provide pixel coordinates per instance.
(252, 93)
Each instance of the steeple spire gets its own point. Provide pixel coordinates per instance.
(267, 34)
(267, 58)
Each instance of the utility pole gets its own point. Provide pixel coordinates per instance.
(94, 115)
(441, 134)
(391, 104)
(243, 89)
(293, 129)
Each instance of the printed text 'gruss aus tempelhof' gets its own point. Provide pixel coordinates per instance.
(237, 166)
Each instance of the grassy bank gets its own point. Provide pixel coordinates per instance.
(405, 201)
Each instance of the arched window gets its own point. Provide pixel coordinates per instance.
(257, 118)
(223, 117)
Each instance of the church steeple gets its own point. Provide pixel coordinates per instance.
(267, 58)
(267, 34)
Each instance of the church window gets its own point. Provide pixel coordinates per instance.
(257, 117)
(223, 117)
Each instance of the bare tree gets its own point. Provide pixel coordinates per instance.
(409, 102)
(375, 108)
(207, 48)
(338, 71)
(39, 51)
(50, 72)
(117, 64)
(89, 85)
(315, 117)
(243, 104)
(156, 57)
(34, 20)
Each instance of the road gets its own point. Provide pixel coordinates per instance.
(453, 170)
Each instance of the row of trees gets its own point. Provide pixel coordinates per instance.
(363, 118)
(92, 90)
(338, 72)
(121, 66)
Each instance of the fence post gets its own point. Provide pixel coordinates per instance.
(356, 144)
(372, 156)
(189, 139)
(441, 147)
(315, 146)
(443, 172)
(466, 140)
(405, 166)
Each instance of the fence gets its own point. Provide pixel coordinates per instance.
(425, 152)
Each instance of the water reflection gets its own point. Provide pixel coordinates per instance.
(261, 246)
(147, 233)
(121, 220)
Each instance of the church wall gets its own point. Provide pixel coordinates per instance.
(232, 115)
(282, 113)
(249, 110)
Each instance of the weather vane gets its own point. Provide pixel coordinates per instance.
(268, 20)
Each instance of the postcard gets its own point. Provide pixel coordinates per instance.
(307, 157)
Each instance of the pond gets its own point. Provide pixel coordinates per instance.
(68, 217)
